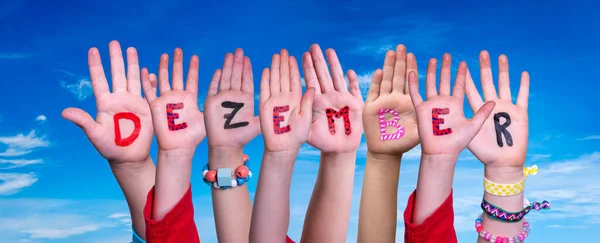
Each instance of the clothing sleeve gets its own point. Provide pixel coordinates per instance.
(288, 240)
(136, 238)
(178, 224)
(438, 227)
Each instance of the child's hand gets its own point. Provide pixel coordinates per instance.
(285, 114)
(337, 114)
(443, 128)
(230, 120)
(124, 110)
(397, 132)
(178, 123)
(502, 141)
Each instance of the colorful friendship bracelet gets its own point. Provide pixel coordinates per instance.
(499, 239)
(505, 190)
(222, 178)
(497, 213)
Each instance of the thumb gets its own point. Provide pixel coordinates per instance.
(482, 114)
(80, 118)
(307, 101)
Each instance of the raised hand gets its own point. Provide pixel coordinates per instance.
(443, 128)
(122, 132)
(337, 114)
(502, 141)
(230, 112)
(285, 115)
(178, 123)
(396, 132)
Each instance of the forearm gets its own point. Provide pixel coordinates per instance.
(271, 215)
(135, 182)
(328, 212)
(232, 206)
(379, 200)
(172, 180)
(514, 203)
(436, 175)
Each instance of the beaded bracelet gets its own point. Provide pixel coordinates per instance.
(222, 178)
(505, 190)
(497, 213)
(499, 239)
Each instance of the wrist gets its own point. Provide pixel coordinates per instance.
(504, 175)
(338, 159)
(225, 157)
(384, 158)
(132, 166)
(176, 155)
(281, 155)
(439, 161)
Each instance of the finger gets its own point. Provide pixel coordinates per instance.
(503, 78)
(430, 89)
(337, 74)
(459, 83)
(225, 83)
(354, 85)
(238, 66)
(265, 93)
(191, 83)
(153, 82)
(320, 65)
(247, 77)
(117, 67)
(81, 119)
(445, 75)
(275, 86)
(413, 88)
(487, 81)
(472, 93)
(480, 116)
(307, 102)
(411, 66)
(177, 79)
(284, 71)
(523, 98)
(295, 85)
(149, 92)
(375, 86)
(388, 73)
(310, 75)
(399, 69)
(163, 74)
(99, 83)
(133, 72)
(214, 83)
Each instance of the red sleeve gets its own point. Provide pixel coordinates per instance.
(177, 226)
(438, 228)
(288, 240)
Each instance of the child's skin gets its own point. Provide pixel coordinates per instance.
(329, 209)
(132, 166)
(502, 164)
(232, 207)
(280, 86)
(377, 219)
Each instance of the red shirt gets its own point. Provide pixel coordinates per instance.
(178, 224)
(437, 228)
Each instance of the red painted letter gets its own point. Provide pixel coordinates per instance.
(171, 116)
(136, 128)
(277, 119)
(436, 121)
(344, 112)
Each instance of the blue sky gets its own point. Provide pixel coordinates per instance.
(54, 187)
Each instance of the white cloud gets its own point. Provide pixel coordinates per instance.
(40, 118)
(538, 157)
(16, 163)
(593, 137)
(118, 215)
(557, 226)
(11, 183)
(78, 85)
(53, 233)
(576, 165)
(21, 144)
(14, 55)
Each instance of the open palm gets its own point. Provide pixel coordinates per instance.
(506, 150)
(230, 120)
(450, 132)
(388, 91)
(177, 121)
(333, 103)
(125, 98)
(285, 115)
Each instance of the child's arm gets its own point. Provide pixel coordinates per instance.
(502, 143)
(336, 130)
(444, 132)
(391, 130)
(231, 124)
(122, 134)
(285, 120)
(179, 127)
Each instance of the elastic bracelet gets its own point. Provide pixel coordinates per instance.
(499, 214)
(532, 170)
(499, 239)
(505, 190)
(223, 178)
